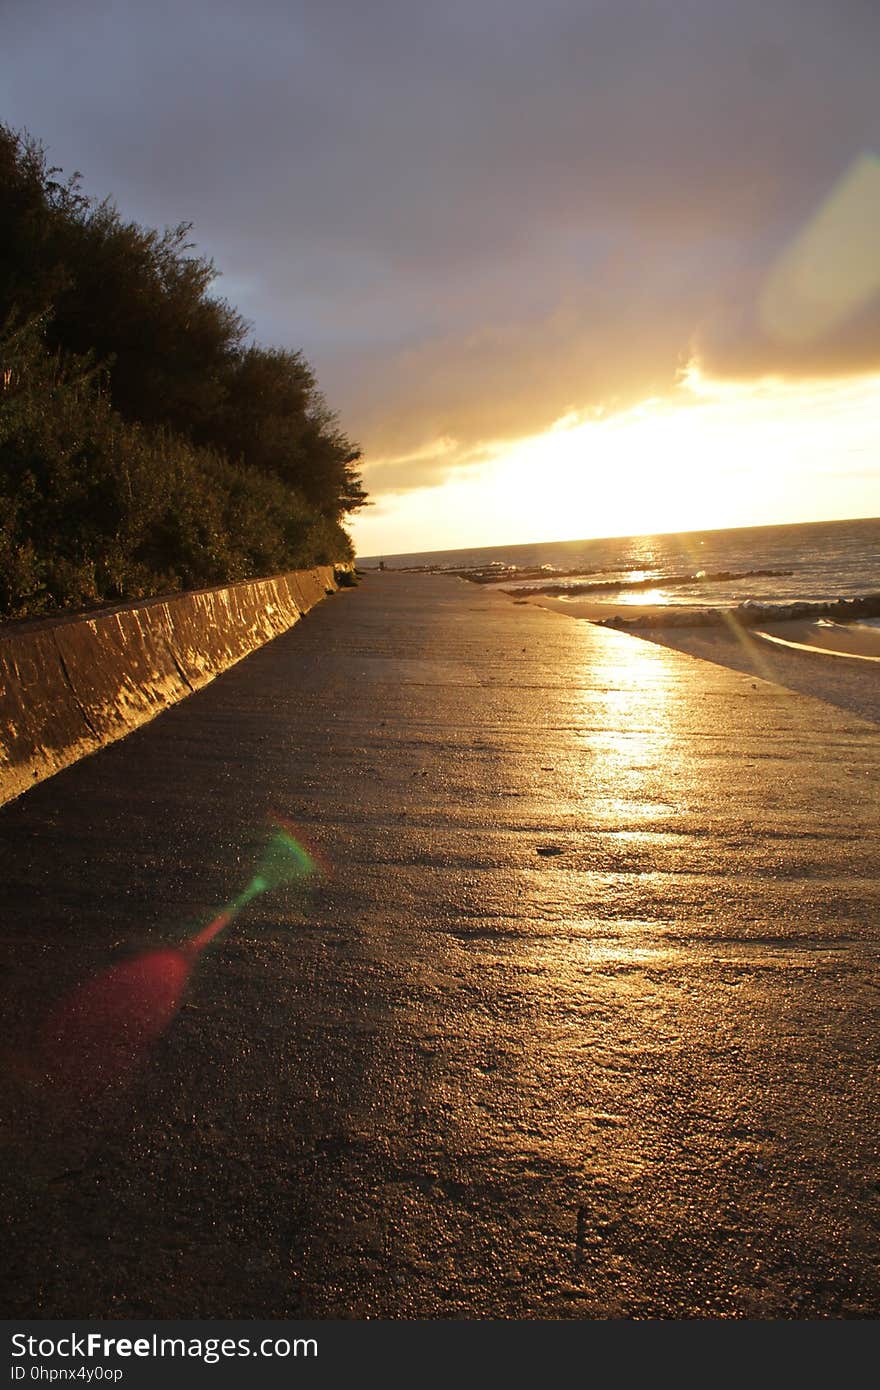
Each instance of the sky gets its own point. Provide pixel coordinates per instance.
(564, 268)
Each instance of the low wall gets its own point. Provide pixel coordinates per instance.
(69, 686)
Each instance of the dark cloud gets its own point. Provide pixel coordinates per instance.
(471, 216)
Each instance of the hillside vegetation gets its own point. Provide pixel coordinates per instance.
(146, 443)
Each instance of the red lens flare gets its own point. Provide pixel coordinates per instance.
(100, 1032)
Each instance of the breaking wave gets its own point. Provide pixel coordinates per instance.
(753, 614)
(582, 588)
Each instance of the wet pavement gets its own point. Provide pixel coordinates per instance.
(581, 1022)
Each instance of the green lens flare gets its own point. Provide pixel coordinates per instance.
(256, 886)
(284, 859)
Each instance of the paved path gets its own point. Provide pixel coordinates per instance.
(583, 1022)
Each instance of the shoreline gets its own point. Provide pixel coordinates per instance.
(842, 673)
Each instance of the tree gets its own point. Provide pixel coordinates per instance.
(144, 444)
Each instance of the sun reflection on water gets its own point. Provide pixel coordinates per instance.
(643, 596)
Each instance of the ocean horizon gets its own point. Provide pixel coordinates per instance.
(806, 562)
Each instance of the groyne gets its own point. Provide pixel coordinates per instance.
(71, 685)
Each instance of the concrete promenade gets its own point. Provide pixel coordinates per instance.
(582, 1021)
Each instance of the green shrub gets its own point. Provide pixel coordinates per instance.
(144, 447)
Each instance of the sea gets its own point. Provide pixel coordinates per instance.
(809, 564)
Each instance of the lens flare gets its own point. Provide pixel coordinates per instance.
(831, 270)
(284, 860)
(100, 1032)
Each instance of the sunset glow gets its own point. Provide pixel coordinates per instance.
(713, 454)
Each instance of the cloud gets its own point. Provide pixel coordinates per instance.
(473, 216)
(816, 308)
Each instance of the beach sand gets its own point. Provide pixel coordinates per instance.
(840, 674)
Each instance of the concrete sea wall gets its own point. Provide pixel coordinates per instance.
(68, 686)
